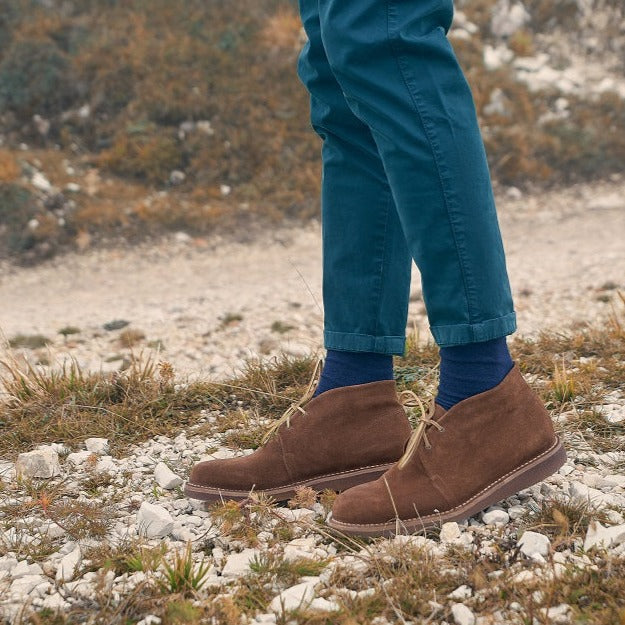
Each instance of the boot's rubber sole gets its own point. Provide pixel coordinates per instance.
(334, 481)
(526, 475)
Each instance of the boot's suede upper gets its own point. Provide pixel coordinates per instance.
(485, 437)
(342, 429)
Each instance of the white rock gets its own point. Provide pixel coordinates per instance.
(8, 563)
(55, 602)
(153, 521)
(40, 182)
(78, 457)
(495, 517)
(106, 464)
(295, 514)
(97, 445)
(25, 584)
(238, 564)
(299, 548)
(516, 512)
(324, 605)
(496, 56)
(177, 177)
(42, 463)
(507, 18)
(298, 596)
(524, 576)
(7, 470)
(461, 593)
(613, 413)
(150, 619)
(600, 536)
(462, 615)
(23, 568)
(68, 565)
(580, 491)
(449, 532)
(165, 477)
(533, 543)
(557, 615)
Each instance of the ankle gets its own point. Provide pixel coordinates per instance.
(344, 368)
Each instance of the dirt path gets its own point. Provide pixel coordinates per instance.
(565, 251)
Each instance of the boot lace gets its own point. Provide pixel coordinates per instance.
(297, 406)
(409, 399)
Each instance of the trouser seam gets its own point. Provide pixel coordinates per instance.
(418, 109)
(378, 314)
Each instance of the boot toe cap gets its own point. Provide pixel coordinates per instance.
(367, 504)
(220, 474)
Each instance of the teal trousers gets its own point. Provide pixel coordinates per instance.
(404, 177)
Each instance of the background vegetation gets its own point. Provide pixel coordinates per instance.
(114, 96)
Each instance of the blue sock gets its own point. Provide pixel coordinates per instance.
(342, 368)
(470, 369)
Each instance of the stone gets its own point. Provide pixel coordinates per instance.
(177, 177)
(557, 615)
(603, 537)
(78, 457)
(238, 564)
(299, 548)
(461, 593)
(298, 596)
(106, 464)
(150, 619)
(40, 182)
(324, 605)
(508, 17)
(25, 584)
(54, 602)
(496, 56)
(41, 463)
(97, 445)
(462, 615)
(153, 521)
(580, 491)
(516, 512)
(68, 565)
(23, 568)
(495, 517)
(165, 477)
(449, 532)
(533, 543)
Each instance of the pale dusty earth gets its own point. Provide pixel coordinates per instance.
(212, 302)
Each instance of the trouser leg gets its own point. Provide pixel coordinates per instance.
(366, 262)
(400, 77)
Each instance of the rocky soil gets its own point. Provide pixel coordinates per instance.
(214, 303)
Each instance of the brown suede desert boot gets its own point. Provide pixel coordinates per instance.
(341, 438)
(457, 462)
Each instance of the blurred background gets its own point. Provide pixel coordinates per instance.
(159, 180)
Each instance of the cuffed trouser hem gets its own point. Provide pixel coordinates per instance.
(394, 345)
(474, 332)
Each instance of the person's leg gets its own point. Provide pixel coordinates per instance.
(366, 262)
(400, 77)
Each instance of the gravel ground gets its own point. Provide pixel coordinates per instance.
(213, 303)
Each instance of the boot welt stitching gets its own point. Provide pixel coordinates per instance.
(464, 503)
(247, 490)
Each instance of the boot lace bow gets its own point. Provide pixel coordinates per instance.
(296, 406)
(410, 399)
